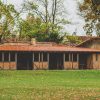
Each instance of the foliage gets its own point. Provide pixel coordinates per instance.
(59, 85)
(8, 17)
(72, 39)
(34, 27)
(40, 37)
(91, 13)
(50, 12)
(30, 26)
(55, 37)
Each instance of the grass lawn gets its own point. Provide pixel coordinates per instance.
(50, 85)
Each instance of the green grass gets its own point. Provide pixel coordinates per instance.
(50, 85)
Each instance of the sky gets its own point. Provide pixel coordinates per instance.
(72, 10)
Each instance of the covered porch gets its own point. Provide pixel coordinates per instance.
(46, 60)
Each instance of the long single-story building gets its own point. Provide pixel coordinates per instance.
(50, 56)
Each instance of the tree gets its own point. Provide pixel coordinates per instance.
(72, 40)
(51, 13)
(29, 26)
(8, 16)
(91, 12)
(33, 27)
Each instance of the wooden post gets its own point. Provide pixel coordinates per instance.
(78, 60)
(48, 59)
(69, 57)
(70, 65)
(16, 59)
(42, 59)
(33, 60)
(72, 60)
(9, 60)
(64, 60)
(39, 60)
(3, 59)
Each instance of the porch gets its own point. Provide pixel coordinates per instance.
(45, 60)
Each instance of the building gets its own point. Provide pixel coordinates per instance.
(50, 56)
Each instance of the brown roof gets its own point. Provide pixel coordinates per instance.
(89, 40)
(84, 38)
(54, 48)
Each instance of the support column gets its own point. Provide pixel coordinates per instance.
(33, 61)
(9, 60)
(3, 59)
(64, 60)
(78, 60)
(48, 59)
(72, 60)
(42, 59)
(69, 57)
(16, 59)
(39, 60)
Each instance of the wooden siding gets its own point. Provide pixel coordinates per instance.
(40, 65)
(94, 44)
(67, 65)
(96, 63)
(1, 65)
(90, 62)
(75, 65)
(8, 65)
(71, 65)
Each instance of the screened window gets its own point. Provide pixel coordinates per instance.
(12, 56)
(67, 57)
(44, 56)
(36, 56)
(75, 57)
(41, 57)
(0, 57)
(6, 57)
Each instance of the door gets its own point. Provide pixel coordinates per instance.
(56, 61)
(24, 61)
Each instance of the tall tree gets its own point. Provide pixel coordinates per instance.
(30, 26)
(51, 13)
(91, 12)
(8, 16)
(33, 27)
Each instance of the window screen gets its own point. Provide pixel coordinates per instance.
(12, 56)
(0, 57)
(36, 56)
(44, 56)
(67, 57)
(75, 57)
(6, 57)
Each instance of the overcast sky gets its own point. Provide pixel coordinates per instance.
(71, 8)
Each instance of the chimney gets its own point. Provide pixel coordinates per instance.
(33, 41)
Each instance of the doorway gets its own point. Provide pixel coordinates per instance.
(83, 61)
(56, 61)
(24, 61)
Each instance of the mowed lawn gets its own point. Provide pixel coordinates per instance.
(50, 85)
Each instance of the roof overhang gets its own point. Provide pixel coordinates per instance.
(31, 48)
